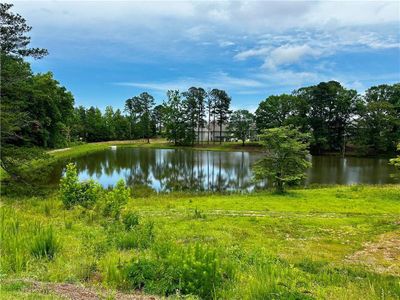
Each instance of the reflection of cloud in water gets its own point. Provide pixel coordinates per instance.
(186, 169)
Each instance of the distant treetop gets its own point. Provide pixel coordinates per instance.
(13, 38)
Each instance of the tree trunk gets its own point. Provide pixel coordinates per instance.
(344, 144)
(209, 127)
(214, 129)
(220, 133)
(279, 186)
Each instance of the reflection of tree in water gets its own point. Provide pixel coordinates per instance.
(168, 170)
(186, 169)
(178, 170)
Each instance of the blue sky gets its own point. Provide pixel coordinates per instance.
(107, 51)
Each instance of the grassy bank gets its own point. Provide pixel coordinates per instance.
(330, 243)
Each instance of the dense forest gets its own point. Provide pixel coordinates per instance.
(36, 110)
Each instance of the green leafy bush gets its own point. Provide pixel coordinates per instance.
(116, 199)
(44, 243)
(74, 192)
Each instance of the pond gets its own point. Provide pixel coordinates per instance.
(187, 169)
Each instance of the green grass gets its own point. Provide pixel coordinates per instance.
(249, 246)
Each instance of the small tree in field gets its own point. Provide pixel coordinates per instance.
(286, 157)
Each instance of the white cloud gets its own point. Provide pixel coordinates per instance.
(252, 53)
(288, 54)
(276, 34)
(216, 80)
(226, 43)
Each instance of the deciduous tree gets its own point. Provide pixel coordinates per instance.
(241, 124)
(285, 160)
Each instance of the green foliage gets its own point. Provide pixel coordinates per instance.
(396, 161)
(198, 214)
(286, 157)
(14, 40)
(331, 108)
(200, 271)
(281, 110)
(378, 127)
(194, 270)
(140, 109)
(44, 243)
(194, 112)
(114, 272)
(337, 116)
(175, 119)
(138, 237)
(130, 220)
(27, 169)
(14, 256)
(74, 192)
(185, 113)
(256, 257)
(116, 199)
(277, 280)
(221, 103)
(242, 125)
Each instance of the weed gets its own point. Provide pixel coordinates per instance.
(13, 256)
(47, 210)
(197, 214)
(130, 220)
(68, 224)
(44, 243)
(140, 237)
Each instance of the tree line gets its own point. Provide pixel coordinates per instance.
(37, 110)
(335, 117)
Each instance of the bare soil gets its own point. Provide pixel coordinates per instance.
(80, 292)
(382, 256)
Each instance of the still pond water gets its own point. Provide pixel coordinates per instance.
(185, 169)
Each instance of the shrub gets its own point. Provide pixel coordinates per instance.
(194, 270)
(44, 243)
(74, 192)
(116, 199)
(200, 271)
(130, 220)
(140, 237)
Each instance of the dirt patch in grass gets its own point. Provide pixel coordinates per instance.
(75, 292)
(382, 256)
(59, 150)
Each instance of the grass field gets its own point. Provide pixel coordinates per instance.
(326, 243)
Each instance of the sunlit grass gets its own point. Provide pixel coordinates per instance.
(268, 246)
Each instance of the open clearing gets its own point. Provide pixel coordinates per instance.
(332, 243)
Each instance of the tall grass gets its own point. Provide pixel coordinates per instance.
(22, 241)
(44, 243)
(14, 255)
